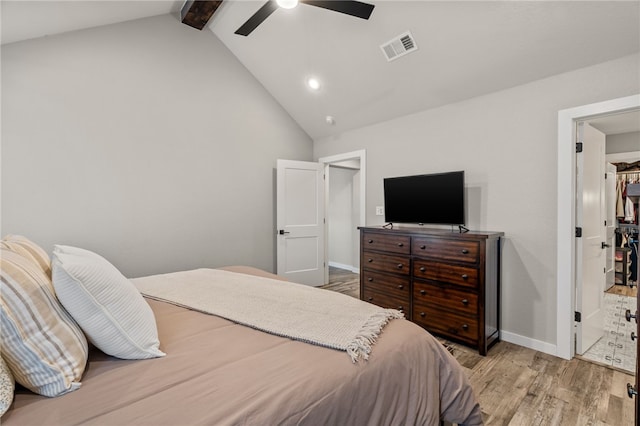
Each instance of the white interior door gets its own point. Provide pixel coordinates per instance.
(610, 196)
(300, 221)
(590, 250)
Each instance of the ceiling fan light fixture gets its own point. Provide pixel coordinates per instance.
(287, 4)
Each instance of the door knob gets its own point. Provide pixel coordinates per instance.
(631, 391)
(628, 315)
(282, 232)
(605, 245)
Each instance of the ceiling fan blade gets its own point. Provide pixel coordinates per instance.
(353, 8)
(263, 13)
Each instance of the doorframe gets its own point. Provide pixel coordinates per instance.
(338, 158)
(566, 256)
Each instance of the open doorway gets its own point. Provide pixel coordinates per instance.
(617, 288)
(345, 183)
(567, 263)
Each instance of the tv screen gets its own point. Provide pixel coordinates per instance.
(431, 198)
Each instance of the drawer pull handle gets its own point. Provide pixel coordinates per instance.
(465, 251)
(370, 241)
(423, 292)
(401, 308)
(370, 260)
(370, 279)
(465, 327)
(465, 276)
(400, 245)
(422, 269)
(400, 286)
(465, 302)
(422, 247)
(422, 314)
(369, 298)
(400, 265)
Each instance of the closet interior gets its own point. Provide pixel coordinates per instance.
(627, 196)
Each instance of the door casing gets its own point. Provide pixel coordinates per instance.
(339, 158)
(566, 191)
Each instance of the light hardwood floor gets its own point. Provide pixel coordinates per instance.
(519, 386)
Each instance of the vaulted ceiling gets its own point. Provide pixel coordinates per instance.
(465, 49)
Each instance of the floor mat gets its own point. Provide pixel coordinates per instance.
(616, 347)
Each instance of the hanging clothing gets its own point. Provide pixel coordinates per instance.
(629, 211)
(619, 198)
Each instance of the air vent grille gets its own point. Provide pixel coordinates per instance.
(399, 46)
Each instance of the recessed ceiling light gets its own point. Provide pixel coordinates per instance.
(287, 4)
(313, 83)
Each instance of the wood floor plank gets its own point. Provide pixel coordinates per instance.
(518, 386)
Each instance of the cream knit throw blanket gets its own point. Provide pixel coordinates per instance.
(299, 312)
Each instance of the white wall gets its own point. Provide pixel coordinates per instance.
(343, 218)
(147, 142)
(506, 142)
(623, 142)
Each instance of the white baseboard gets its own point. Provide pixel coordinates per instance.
(347, 267)
(528, 342)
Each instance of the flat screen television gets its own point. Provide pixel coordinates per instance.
(436, 198)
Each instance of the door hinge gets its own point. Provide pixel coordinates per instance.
(605, 176)
(578, 146)
(578, 232)
(605, 223)
(577, 317)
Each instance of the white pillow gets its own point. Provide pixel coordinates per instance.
(107, 306)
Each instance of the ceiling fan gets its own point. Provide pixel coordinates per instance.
(353, 8)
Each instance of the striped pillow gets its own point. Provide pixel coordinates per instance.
(42, 345)
(109, 308)
(28, 249)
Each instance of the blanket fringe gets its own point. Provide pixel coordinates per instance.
(360, 347)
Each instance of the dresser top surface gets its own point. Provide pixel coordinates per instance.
(432, 232)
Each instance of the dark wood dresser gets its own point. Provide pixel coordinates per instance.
(447, 282)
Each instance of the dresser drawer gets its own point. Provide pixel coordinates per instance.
(446, 323)
(386, 301)
(389, 243)
(446, 298)
(449, 250)
(393, 285)
(386, 262)
(461, 275)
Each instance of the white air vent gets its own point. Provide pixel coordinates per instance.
(399, 46)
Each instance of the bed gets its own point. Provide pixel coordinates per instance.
(219, 372)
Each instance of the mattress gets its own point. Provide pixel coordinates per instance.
(217, 372)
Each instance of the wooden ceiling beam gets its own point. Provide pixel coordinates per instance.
(196, 13)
